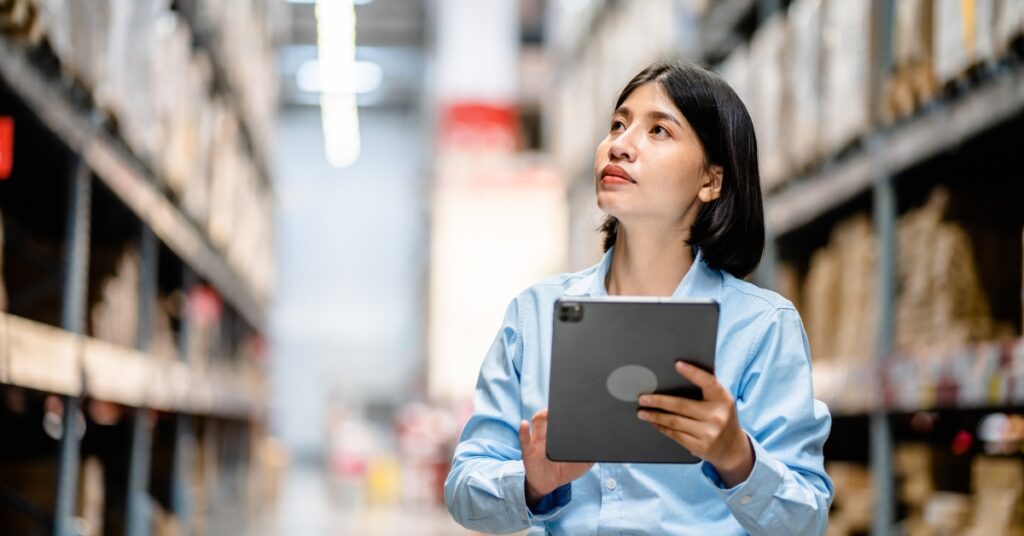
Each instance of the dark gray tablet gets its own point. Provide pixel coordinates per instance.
(605, 353)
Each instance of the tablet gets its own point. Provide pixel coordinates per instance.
(605, 353)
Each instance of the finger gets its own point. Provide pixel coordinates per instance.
(670, 420)
(706, 381)
(688, 441)
(524, 433)
(694, 409)
(540, 426)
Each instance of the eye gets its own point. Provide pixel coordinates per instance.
(617, 124)
(659, 131)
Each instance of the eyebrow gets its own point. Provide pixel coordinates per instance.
(623, 110)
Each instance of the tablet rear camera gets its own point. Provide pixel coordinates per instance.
(570, 312)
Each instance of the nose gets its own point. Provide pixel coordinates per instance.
(622, 147)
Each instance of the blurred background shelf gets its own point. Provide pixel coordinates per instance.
(939, 128)
(984, 376)
(124, 176)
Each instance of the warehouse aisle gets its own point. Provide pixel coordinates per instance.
(306, 507)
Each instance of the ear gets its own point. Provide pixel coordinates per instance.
(711, 189)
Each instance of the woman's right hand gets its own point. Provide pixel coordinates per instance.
(544, 476)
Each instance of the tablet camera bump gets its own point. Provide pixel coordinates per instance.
(628, 382)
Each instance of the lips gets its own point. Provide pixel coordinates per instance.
(612, 170)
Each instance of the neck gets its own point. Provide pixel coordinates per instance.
(648, 262)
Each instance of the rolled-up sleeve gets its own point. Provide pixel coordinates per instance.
(788, 491)
(485, 489)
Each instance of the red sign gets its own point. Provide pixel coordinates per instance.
(6, 146)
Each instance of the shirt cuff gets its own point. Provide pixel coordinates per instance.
(552, 503)
(548, 507)
(752, 496)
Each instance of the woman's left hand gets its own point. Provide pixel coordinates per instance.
(708, 428)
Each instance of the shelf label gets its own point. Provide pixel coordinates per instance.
(6, 146)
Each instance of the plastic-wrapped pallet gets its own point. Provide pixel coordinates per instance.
(849, 76)
(803, 78)
(1009, 24)
(767, 49)
(963, 35)
(912, 82)
(942, 303)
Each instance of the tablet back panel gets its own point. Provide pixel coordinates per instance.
(607, 351)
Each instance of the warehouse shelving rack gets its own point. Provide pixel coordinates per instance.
(868, 393)
(168, 397)
(877, 171)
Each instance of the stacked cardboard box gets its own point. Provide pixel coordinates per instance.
(853, 504)
(997, 485)
(838, 294)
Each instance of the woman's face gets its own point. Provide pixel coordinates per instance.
(651, 166)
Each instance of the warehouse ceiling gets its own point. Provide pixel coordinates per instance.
(389, 33)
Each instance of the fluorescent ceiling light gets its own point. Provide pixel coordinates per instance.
(356, 2)
(336, 47)
(367, 77)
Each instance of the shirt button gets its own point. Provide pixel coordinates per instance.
(610, 484)
(745, 499)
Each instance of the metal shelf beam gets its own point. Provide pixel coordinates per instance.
(935, 131)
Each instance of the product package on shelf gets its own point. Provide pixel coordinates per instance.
(912, 81)
(802, 76)
(20, 20)
(963, 36)
(767, 49)
(1009, 24)
(942, 303)
(838, 294)
(997, 485)
(114, 317)
(848, 64)
(853, 504)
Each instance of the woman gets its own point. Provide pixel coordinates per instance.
(677, 176)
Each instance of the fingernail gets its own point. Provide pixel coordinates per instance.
(645, 400)
(680, 365)
(643, 415)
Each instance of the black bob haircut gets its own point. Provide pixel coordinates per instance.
(729, 231)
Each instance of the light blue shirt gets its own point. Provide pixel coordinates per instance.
(762, 359)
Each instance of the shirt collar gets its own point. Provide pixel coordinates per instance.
(701, 281)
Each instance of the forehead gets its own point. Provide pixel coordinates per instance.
(650, 97)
